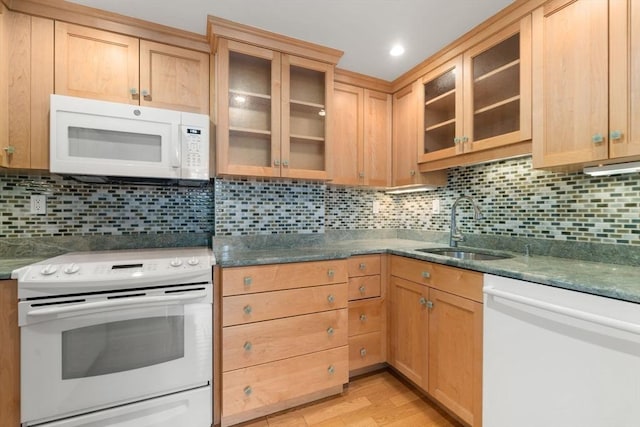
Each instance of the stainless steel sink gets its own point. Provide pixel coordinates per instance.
(468, 254)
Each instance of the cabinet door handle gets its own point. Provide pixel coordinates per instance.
(597, 138)
(362, 266)
(363, 317)
(10, 149)
(615, 135)
(456, 140)
(146, 95)
(134, 93)
(331, 299)
(247, 346)
(426, 275)
(331, 369)
(248, 281)
(363, 352)
(247, 390)
(285, 163)
(361, 174)
(362, 290)
(464, 139)
(247, 309)
(412, 172)
(276, 162)
(331, 272)
(330, 331)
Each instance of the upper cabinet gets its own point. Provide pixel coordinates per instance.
(97, 64)
(405, 141)
(273, 103)
(479, 100)
(362, 136)
(586, 83)
(26, 81)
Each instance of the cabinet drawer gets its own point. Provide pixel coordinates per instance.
(366, 316)
(271, 383)
(363, 265)
(261, 278)
(412, 269)
(365, 350)
(240, 309)
(458, 281)
(364, 287)
(262, 342)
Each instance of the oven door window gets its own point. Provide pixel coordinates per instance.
(121, 346)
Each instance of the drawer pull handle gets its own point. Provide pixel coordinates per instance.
(426, 275)
(247, 346)
(363, 317)
(331, 369)
(362, 290)
(331, 273)
(362, 266)
(331, 299)
(363, 352)
(330, 331)
(247, 309)
(423, 301)
(248, 281)
(247, 390)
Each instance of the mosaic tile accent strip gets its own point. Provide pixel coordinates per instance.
(517, 200)
(78, 209)
(352, 209)
(245, 206)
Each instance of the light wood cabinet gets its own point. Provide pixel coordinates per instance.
(479, 100)
(436, 332)
(9, 354)
(26, 81)
(367, 313)
(284, 336)
(586, 84)
(405, 141)
(273, 112)
(97, 64)
(362, 136)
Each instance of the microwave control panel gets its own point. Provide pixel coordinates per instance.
(195, 152)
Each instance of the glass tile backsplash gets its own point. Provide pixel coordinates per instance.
(515, 199)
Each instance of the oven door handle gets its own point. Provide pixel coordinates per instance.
(116, 303)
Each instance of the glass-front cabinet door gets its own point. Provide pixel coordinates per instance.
(498, 89)
(248, 127)
(306, 86)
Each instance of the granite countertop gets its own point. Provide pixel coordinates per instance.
(610, 280)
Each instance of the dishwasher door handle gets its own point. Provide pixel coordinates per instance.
(117, 303)
(566, 311)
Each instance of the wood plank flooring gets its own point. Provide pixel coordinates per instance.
(378, 399)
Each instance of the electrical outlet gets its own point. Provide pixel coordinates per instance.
(435, 206)
(376, 206)
(38, 204)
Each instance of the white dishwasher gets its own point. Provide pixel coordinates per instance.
(558, 358)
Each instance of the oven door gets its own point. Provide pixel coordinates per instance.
(92, 355)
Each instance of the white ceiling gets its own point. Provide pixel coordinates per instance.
(364, 29)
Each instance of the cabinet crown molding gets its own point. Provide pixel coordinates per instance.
(219, 27)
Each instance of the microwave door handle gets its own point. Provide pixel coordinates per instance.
(176, 143)
(120, 302)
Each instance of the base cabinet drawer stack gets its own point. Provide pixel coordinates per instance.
(367, 315)
(284, 336)
(436, 332)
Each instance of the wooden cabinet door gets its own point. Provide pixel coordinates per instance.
(96, 64)
(174, 78)
(408, 330)
(570, 82)
(348, 127)
(9, 354)
(26, 77)
(307, 94)
(376, 154)
(405, 136)
(455, 354)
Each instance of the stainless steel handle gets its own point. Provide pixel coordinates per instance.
(362, 289)
(331, 298)
(247, 309)
(247, 390)
(10, 149)
(362, 266)
(134, 93)
(331, 273)
(456, 140)
(597, 138)
(422, 301)
(429, 304)
(248, 281)
(615, 135)
(363, 317)
(363, 352)
(331, 369)
(285, 163)
(247, 346)
(330, 331)
(276, 162)
(426, 275)
(120, 302)
(412, 172)
(146, 95)
(566, 311)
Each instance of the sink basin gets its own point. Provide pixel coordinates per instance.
(468, 254)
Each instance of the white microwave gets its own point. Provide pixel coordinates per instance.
(96, 141)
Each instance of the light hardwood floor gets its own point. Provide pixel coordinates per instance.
(378, 399)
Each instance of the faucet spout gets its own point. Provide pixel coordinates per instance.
(455, 235)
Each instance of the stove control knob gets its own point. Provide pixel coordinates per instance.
(176, 262)
(71, 268)
(48, 270)
(193, 261)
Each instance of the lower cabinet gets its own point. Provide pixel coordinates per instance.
(436, 332)
(284, 336)
(9, 354)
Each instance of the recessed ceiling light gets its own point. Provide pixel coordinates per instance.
(397, 50)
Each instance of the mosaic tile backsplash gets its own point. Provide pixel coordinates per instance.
(515, 199)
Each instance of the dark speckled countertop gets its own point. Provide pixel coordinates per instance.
(610, 280)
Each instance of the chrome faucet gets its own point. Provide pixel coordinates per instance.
(455, 235)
